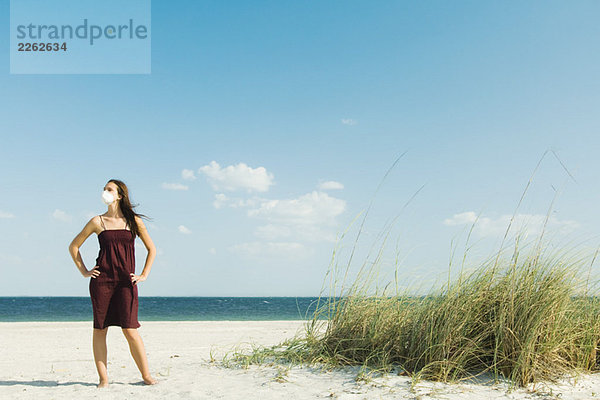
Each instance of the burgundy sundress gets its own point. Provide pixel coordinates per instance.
(114, 296)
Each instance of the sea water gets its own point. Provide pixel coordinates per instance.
(166, 308)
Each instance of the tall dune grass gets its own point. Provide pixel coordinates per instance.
(528, 317)
(527, 321)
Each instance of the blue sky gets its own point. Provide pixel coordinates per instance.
(253, 109)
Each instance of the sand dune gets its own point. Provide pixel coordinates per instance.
(53, 360)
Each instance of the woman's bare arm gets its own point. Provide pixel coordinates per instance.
(88, 229)
(145, 236)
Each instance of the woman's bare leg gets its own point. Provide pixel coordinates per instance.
(136, 346)
(99, 345)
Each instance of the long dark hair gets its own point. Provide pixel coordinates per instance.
(126, 206)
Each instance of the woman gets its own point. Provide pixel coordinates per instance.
(113, 287)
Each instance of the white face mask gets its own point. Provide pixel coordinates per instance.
(107, 197)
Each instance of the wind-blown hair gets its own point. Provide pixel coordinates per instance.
(126, 206)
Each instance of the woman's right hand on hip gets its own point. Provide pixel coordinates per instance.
(93, 273)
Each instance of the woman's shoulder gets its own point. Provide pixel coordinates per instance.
(138, 221)
(95, 224)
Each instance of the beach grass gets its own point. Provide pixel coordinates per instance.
(528, 320)
(527, 314)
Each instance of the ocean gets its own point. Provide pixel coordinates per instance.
(166, 308)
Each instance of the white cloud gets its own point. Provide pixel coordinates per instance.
(271, 249)
(349, 121)
(530, 224)
(237, 177)
(270, 231)
(212, 250)
(330, 185)
(460, 219)
(6, 215)
(183, 229)
(61, 216)
(310, 216)
(174, 186)
(222, 199)
(314, 207)
(188, 174)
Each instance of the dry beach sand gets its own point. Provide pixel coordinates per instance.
(53, 360)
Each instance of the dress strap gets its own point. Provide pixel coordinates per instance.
(102, 222)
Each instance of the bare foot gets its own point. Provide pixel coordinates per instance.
(150, 381)
(102, 384)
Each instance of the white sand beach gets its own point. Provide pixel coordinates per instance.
(53, 360)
